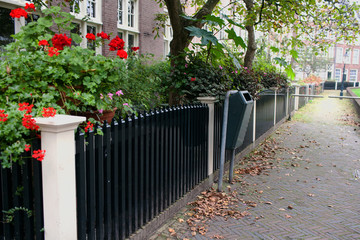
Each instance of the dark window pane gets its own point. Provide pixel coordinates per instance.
(7, 26)
(75, 30)
(131, 40)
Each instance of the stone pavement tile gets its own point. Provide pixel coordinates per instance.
(313, 172)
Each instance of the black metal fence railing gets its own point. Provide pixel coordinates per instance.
(332, 85)
(21, 193)
(138, 168)
(264, 112)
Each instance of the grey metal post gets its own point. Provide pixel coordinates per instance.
(231, 170)
(223, 138)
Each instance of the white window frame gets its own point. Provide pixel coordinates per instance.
(350, 76)
(83, 12)
(347, 58)
(125, 23)
(121, 11)
(90, 4)
(338, 76)
(131, 13)
(339, 55)
(355, 56)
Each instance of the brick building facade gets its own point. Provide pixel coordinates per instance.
(131, 20)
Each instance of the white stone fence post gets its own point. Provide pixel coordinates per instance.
(58, 176)
(210, 101)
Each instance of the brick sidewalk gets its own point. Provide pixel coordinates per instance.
(311, 193)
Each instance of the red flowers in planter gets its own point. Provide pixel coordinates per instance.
(3, 116)
(29, 123)
(90, 36)
(122, 54)
(27, 147)
(39, 154)
(18, 13)
(89, 126)
(53, 51)
(30, 6)
(116, 44)
(59, 41)
(103, 35)
(43, 43)
(48, 112)
(135, 48)
(25, 106)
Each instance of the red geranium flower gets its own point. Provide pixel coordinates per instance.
(192, 79)
(122, 54)
(27, 147)
(25, 106)
(39, 154)
(116, 44)
(89, 125)
(135, 48)
(53, 51)
(103, 35)
(48, 112)
(18, 13)
(90, 36)
(43, 43)
(29, 123)
(30, 6)
(59, 41)
(3, 116)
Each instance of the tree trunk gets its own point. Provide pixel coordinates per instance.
(251, 48)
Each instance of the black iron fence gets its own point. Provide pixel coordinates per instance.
(21, 199)
(139, 167)
(332, 85)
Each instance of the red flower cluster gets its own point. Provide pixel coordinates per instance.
(103, 35)
(116, 44)
(25, 106)
(30, 6)
(39, 154)
(18, 13)
(90, 36)
(59, 41)
(43, 43)
(122, 54)
(53, 51)
(192, 79)
(135, 48)
(3, 116)
(48, 112)
(89, 125)
(29, 123)
(27, 147)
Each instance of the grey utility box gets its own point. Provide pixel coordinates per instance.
(240, 106)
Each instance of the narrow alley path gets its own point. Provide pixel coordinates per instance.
(302, 183)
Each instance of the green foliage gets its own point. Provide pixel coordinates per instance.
(10, 214)
(194, 77)
(76, 80)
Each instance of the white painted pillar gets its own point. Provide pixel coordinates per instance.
(336, 83)
(275, 105)
(287, 102)
(297, 91)
(254, 123)
(58, 176)
(210, 101)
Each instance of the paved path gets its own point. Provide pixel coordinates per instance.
(309, 191)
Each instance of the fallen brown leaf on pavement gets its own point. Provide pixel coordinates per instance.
(288, 216)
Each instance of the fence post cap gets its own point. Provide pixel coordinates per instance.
(59, 123)
(207, 99)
